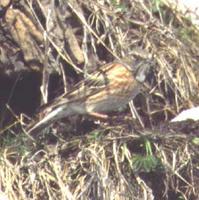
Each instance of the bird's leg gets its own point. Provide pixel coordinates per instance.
(98, 115)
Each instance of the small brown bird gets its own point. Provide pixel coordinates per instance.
(107, 89)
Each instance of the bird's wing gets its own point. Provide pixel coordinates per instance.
(91, 85)
(88, 87)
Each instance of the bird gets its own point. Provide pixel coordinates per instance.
(111, 86)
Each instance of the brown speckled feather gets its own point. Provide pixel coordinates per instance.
(112, 86)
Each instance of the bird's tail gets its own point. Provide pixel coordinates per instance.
(44, 121)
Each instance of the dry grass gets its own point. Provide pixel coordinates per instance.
(100, 165)
(118, 162)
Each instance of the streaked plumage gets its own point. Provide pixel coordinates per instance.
(107, 89)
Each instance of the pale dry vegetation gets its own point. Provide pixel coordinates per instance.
(122, 159)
